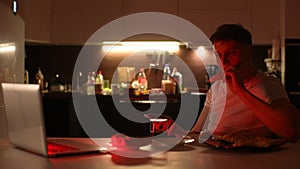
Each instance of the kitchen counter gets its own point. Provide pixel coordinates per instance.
(65, 112)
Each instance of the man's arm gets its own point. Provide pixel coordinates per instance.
(280, 116)
(201, 120)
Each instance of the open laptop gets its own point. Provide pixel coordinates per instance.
(26, 125)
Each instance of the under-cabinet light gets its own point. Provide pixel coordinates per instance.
(121, 46)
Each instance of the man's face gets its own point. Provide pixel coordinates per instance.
(232, 54)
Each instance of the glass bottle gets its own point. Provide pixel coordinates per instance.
(79, 81)
(26, 77)
(99, 82)
(39, 78)
(90, 84)
(166, 79)
(142, 80)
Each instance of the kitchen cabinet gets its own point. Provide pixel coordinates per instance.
(3, 131)
(292, 80)
(292, 19)
(73, 22)
(295, 99)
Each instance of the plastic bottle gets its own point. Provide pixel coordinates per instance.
(99, 82)
(177, 77)
(166, 72)
(142, 80)
(90, 84)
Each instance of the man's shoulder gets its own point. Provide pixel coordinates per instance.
(262, 79)
(267, 87)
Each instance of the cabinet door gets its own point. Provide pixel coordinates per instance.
(3, 130)
(292, 79)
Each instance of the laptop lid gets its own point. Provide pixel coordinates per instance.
(25, 118)
(26, 125)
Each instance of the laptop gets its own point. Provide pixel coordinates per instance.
(26, 125)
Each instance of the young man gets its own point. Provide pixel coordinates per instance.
(255, 104)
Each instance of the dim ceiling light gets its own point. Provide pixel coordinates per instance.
(170, 46)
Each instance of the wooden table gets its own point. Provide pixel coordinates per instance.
(181, 157)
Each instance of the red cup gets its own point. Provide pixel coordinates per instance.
(158, 125)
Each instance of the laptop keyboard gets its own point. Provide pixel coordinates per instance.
(54, 148)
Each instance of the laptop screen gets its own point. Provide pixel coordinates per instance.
(24, 115)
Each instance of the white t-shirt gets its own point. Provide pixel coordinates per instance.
(229, 114)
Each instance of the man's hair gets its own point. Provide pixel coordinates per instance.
(233, 32)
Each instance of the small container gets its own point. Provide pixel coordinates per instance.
(158, 125)
(115, 89)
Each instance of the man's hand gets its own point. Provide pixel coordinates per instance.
(234, 80)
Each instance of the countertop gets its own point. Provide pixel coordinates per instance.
(181, 157)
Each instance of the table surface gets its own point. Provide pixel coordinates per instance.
(181, 157)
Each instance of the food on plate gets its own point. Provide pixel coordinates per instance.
(239, 140)
(123, 141)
